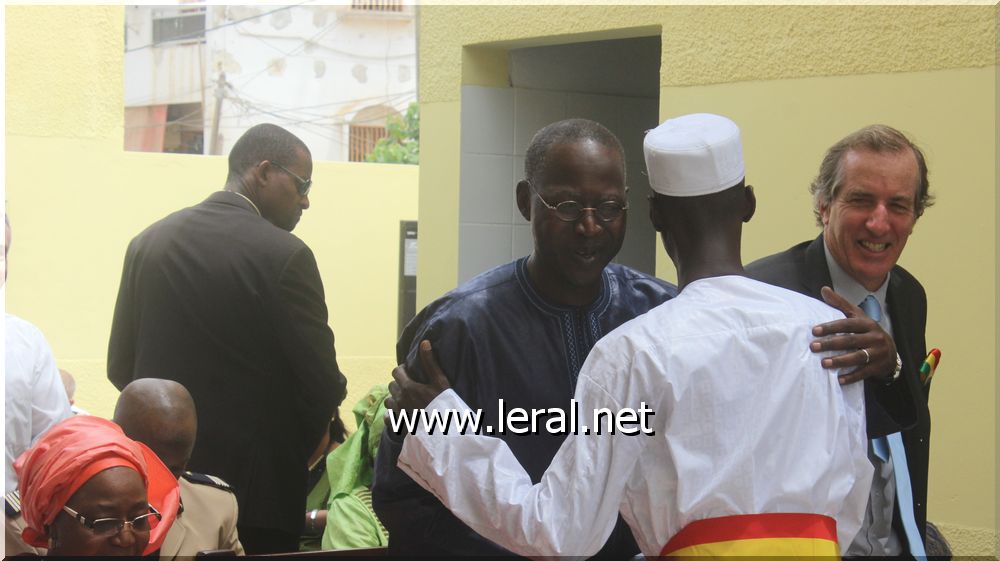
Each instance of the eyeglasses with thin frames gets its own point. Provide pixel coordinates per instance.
(303, 186)
(571, 211)
(112, 526)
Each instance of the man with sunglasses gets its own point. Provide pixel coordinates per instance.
(223, 299)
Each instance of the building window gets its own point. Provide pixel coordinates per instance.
(363, 139)
(185, 130)
(179, 25)
(377, 5)
(176, 128)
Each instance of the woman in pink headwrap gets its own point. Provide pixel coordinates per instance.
(87, 489)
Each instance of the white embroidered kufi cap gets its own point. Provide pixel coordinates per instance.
(692, 155)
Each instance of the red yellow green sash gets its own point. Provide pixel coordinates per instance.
(757, 534)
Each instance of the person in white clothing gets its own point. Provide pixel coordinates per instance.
(750, 447)
(33, 392)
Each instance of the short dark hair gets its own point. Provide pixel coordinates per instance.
(564, 132)
(876, 138)
(263, 142)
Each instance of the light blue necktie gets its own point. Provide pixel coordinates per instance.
(892, 445)
(871, 308)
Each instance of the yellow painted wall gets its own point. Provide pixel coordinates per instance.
(76, 198)
(796, 78)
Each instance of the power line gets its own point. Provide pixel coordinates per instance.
(182, 120)
(301, 47)
(315, 125)
(246, 104)
(199, 33)
(317, 109)
(349, 54)
(381, 98)
(147, 101)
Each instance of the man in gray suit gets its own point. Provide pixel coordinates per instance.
(871, 188)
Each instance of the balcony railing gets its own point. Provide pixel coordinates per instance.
(377, 5)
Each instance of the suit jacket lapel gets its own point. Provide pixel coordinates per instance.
(816, 274)
(902, 322)
(904, 328)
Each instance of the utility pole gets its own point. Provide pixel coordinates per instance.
(220, 94)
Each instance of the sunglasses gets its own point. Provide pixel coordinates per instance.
(303, 186)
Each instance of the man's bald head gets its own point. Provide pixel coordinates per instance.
(161, 415)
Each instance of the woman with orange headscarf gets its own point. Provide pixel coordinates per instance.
(87, 489)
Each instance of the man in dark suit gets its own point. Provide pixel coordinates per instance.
(222, 298)
(871, 189)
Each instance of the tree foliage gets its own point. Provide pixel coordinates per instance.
(401, 144)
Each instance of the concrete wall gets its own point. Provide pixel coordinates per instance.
(75, 199)
(796, 78)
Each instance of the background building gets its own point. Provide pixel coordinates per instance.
(330, 74)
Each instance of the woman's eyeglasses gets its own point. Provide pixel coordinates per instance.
(112, 526)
